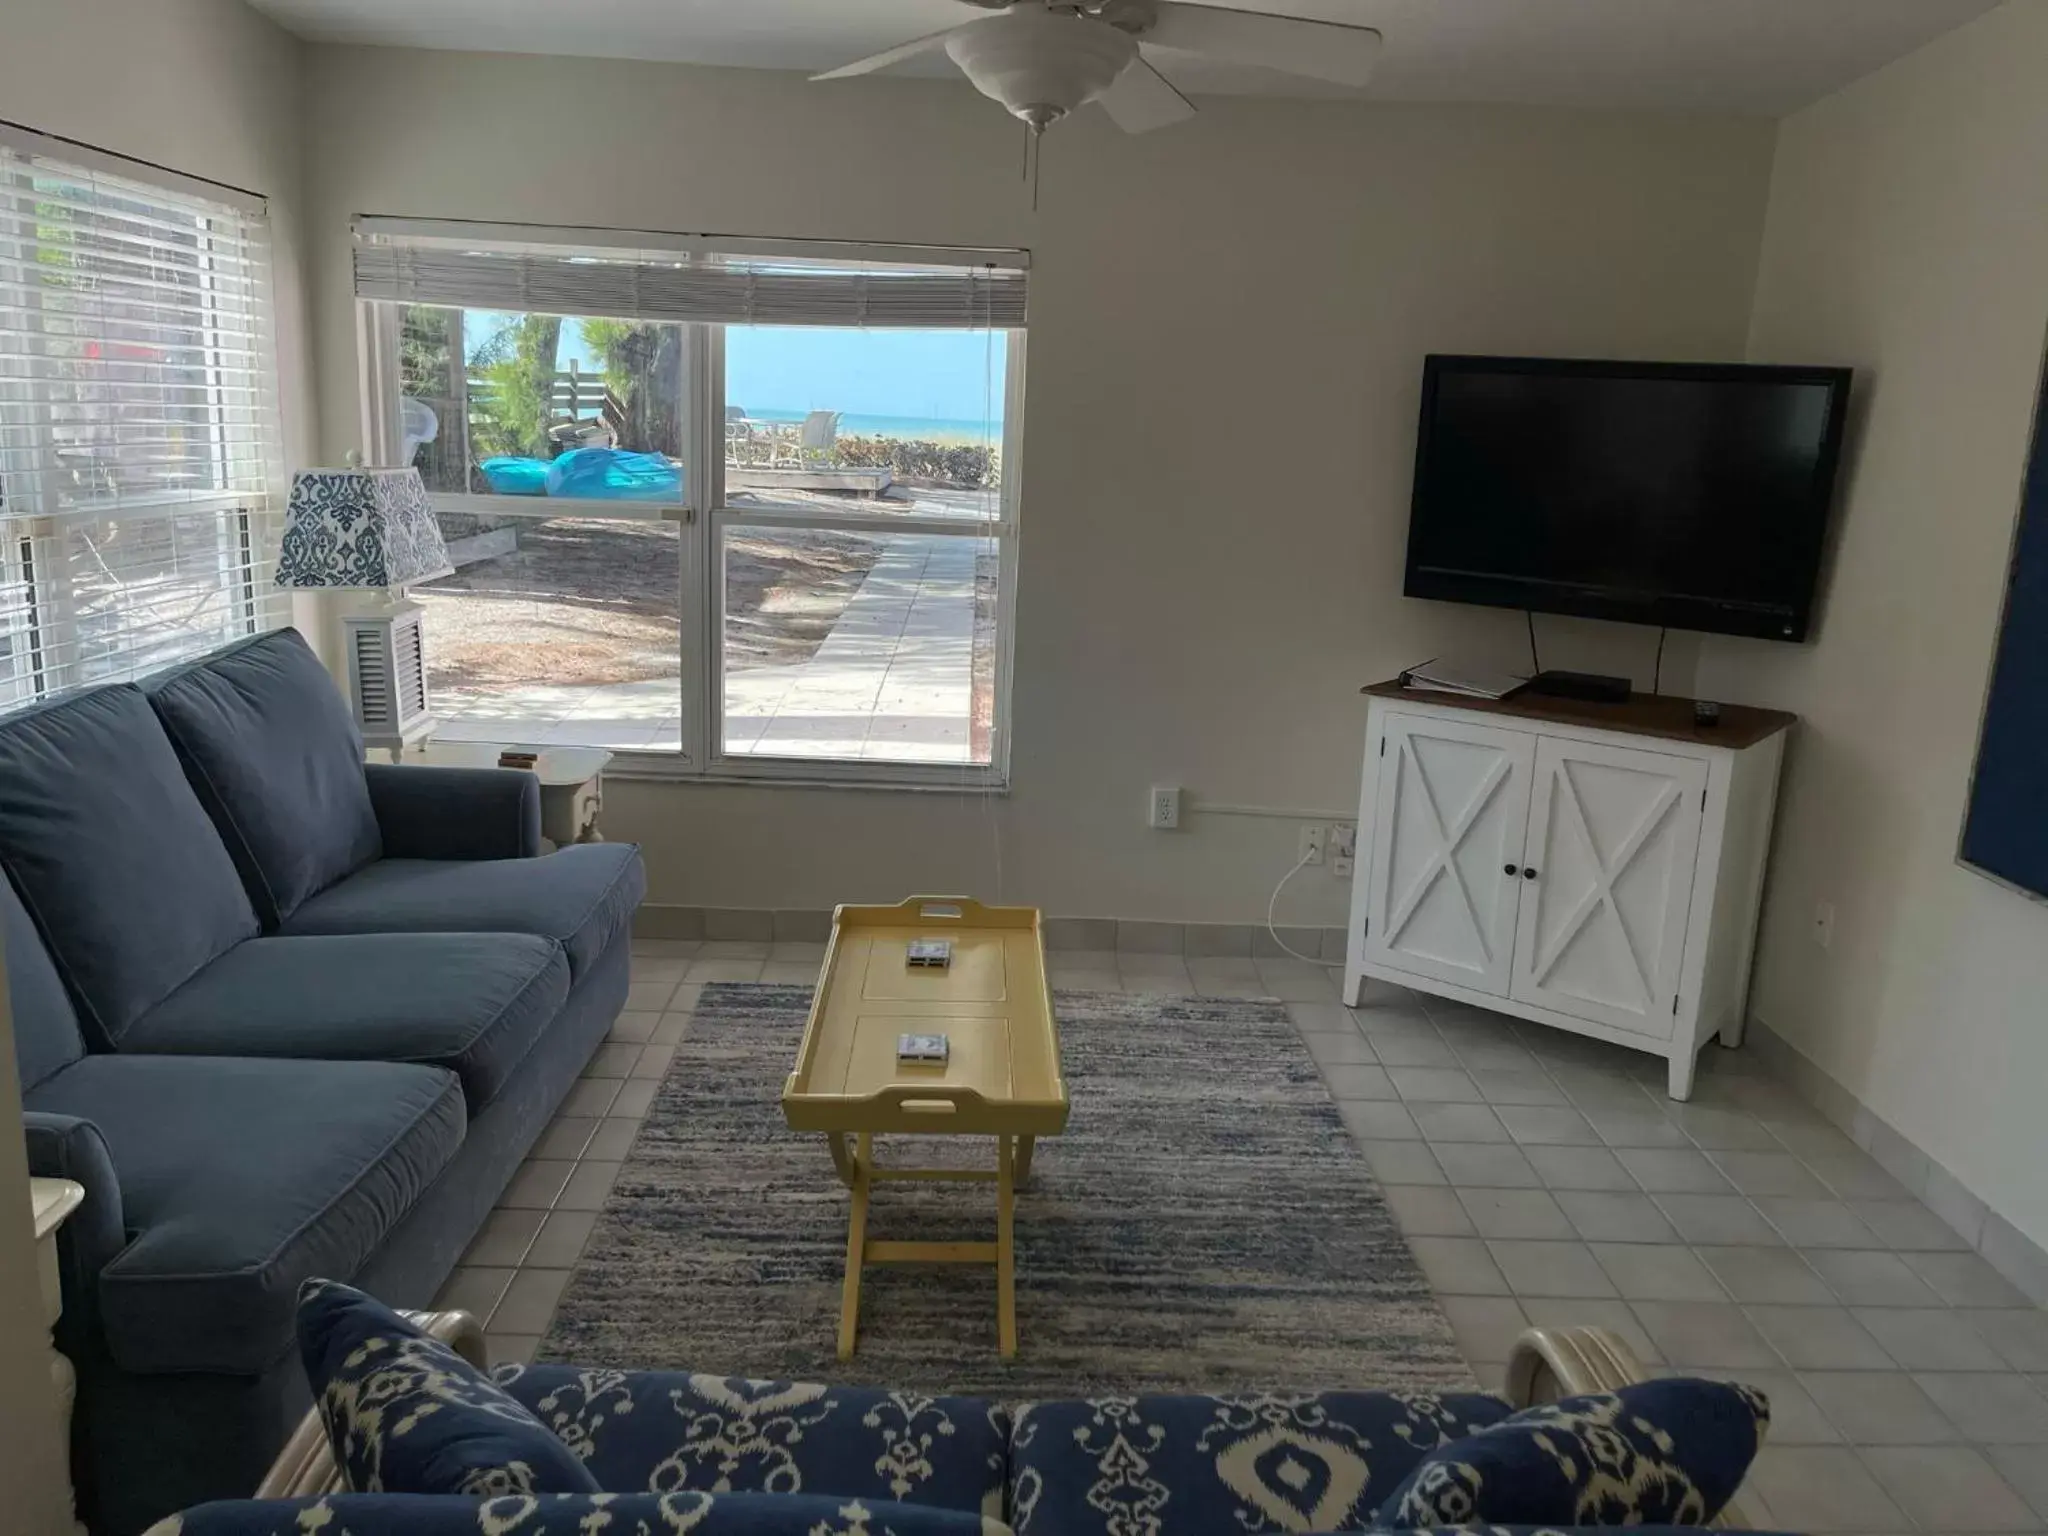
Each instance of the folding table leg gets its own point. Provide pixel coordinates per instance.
(1006, 1248)
(856, 1245)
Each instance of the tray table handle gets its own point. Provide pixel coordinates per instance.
(936, 1099)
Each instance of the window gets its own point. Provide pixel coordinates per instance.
(139, 447)
(735, 511)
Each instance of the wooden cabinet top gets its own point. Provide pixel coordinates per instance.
(1643, 715)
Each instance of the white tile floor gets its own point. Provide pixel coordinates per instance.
(1540, 1179)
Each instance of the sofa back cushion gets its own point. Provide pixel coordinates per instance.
(46, 1038)
(1225, 1465)
(728, 1434)
(275, 757)
(116, 863)
(1669, 1452)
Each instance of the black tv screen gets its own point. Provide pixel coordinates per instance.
(1681, 494)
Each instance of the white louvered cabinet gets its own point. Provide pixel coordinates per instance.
(1595, 868)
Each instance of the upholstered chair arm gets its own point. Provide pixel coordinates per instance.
(306, 1466)
(455, 813)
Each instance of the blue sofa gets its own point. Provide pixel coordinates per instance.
(282, 1015)
(729, 1457)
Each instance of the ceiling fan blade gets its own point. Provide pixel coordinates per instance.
(1320, 50)
(883, 60)
(1143, 99)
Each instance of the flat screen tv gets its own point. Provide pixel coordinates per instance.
(1691, 495)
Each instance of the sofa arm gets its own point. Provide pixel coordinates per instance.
(306, 1467)
(66, 1147)
(1553, 1363)
(455, 813)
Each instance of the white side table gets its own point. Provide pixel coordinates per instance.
(571, 782)
(52, 1200)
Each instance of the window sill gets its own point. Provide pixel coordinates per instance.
(932, 779)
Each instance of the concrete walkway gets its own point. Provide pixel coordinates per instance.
(893, 681)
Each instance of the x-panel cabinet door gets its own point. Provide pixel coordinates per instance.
(1614, 840)
(1448, 830)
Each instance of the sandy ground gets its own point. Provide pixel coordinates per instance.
(591, 602)
(596, 601)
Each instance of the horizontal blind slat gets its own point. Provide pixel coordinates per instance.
(722, 293)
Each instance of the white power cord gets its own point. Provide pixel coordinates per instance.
(1272, 906)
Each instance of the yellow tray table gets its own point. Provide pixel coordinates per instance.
(1001, 1077)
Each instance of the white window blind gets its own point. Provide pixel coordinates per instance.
(696, 281)
(140, 453)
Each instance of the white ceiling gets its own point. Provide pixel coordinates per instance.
(1768, 56)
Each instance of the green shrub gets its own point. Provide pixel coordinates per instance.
(966, 466)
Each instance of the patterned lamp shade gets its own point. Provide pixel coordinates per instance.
(360, 528)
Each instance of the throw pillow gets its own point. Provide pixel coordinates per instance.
(407, 1414)
(1656, 1453)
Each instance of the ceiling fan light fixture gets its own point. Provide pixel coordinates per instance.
(1040, 64)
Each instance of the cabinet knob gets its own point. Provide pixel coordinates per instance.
(1529, 873)
(1511, 869)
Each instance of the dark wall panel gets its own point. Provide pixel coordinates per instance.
(2006, 829)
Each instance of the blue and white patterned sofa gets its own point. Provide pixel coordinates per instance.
(727, 1457)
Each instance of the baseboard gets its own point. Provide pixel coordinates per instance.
(2004, 1247)
(1194, 941)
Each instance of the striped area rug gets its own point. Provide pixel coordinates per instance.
(1204, 1224)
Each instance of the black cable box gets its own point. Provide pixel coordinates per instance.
(1590, 687)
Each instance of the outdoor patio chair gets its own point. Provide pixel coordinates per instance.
(815, 442)
(743, 437)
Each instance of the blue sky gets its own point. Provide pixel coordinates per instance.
(949, 375)
(946, 375)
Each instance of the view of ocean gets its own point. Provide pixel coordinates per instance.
(930, 429)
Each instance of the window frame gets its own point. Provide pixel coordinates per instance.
(704, 515)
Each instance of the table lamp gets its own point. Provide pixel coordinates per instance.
(370, 530)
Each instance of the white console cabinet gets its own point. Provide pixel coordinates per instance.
(1594, 867)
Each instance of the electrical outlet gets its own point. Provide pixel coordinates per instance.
(1312, 845)
(1162, 807)
(1343, 850)
(1824, 925)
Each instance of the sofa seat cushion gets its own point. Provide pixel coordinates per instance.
(274, 755)
(575, 1514)
(581, 897)
(113, 856)
(474, 1003)
(661, 1431)
(240, 1179)
(1221, 1466)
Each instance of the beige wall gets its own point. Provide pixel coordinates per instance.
(207, 87)
(1228, 324)
(1908, 236)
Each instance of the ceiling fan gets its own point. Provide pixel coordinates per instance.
(1044, 59)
